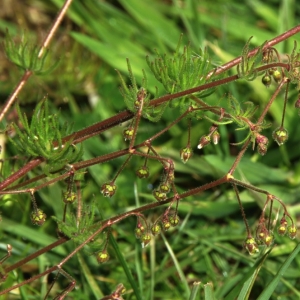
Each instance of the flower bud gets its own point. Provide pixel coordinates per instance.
(139, 230)
(145, 238)
(155, 229)
(108, 189)
(143, 172)
(166, 224)
(292, 231)
(216, 137)
(269, 239)
(185, 154)
(141, 95)
(282, 228)
(251, 246)
(280, 135)
(262, 149)
(266, 80)
(174, 220)
(159, 196)
(204, 140)
(102, 256)
(69, 197)
(38, 217)
(261, 139)
(164, 188)
(128, 133)
(277, 76)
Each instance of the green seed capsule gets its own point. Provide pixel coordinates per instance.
(266, 80)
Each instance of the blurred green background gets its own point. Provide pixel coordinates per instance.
(94, 39)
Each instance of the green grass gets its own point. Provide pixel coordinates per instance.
(206, 247)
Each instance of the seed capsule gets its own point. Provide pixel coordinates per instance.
(155, 229)
(146, 238)
(102, 257)
(143, 172)
(185, 154)
(108, 189)
(280, 135)
(292, 231)
(128, 133)
(204, 140)
(266, 80)
(251, 246)
(277, 76)
(38, 217)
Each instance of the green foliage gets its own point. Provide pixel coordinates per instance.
(207, 243)
(182, 70)
(27, 57)
(43, 138)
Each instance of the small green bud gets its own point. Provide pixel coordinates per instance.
(166, 225)
(159, 196)
(185, 154)
(266, 80)
(143, 172)
(292, 231)
(164, 188)
(155, 229)
(145, 238)
(139, 230)
(102, 257)
(280, 135)
(277, 76)
(69, 197)
(174, 220)
(108, 189)
(128, 133)
(38, 217)
(269, 239)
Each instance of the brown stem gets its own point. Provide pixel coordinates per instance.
(251, 53)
